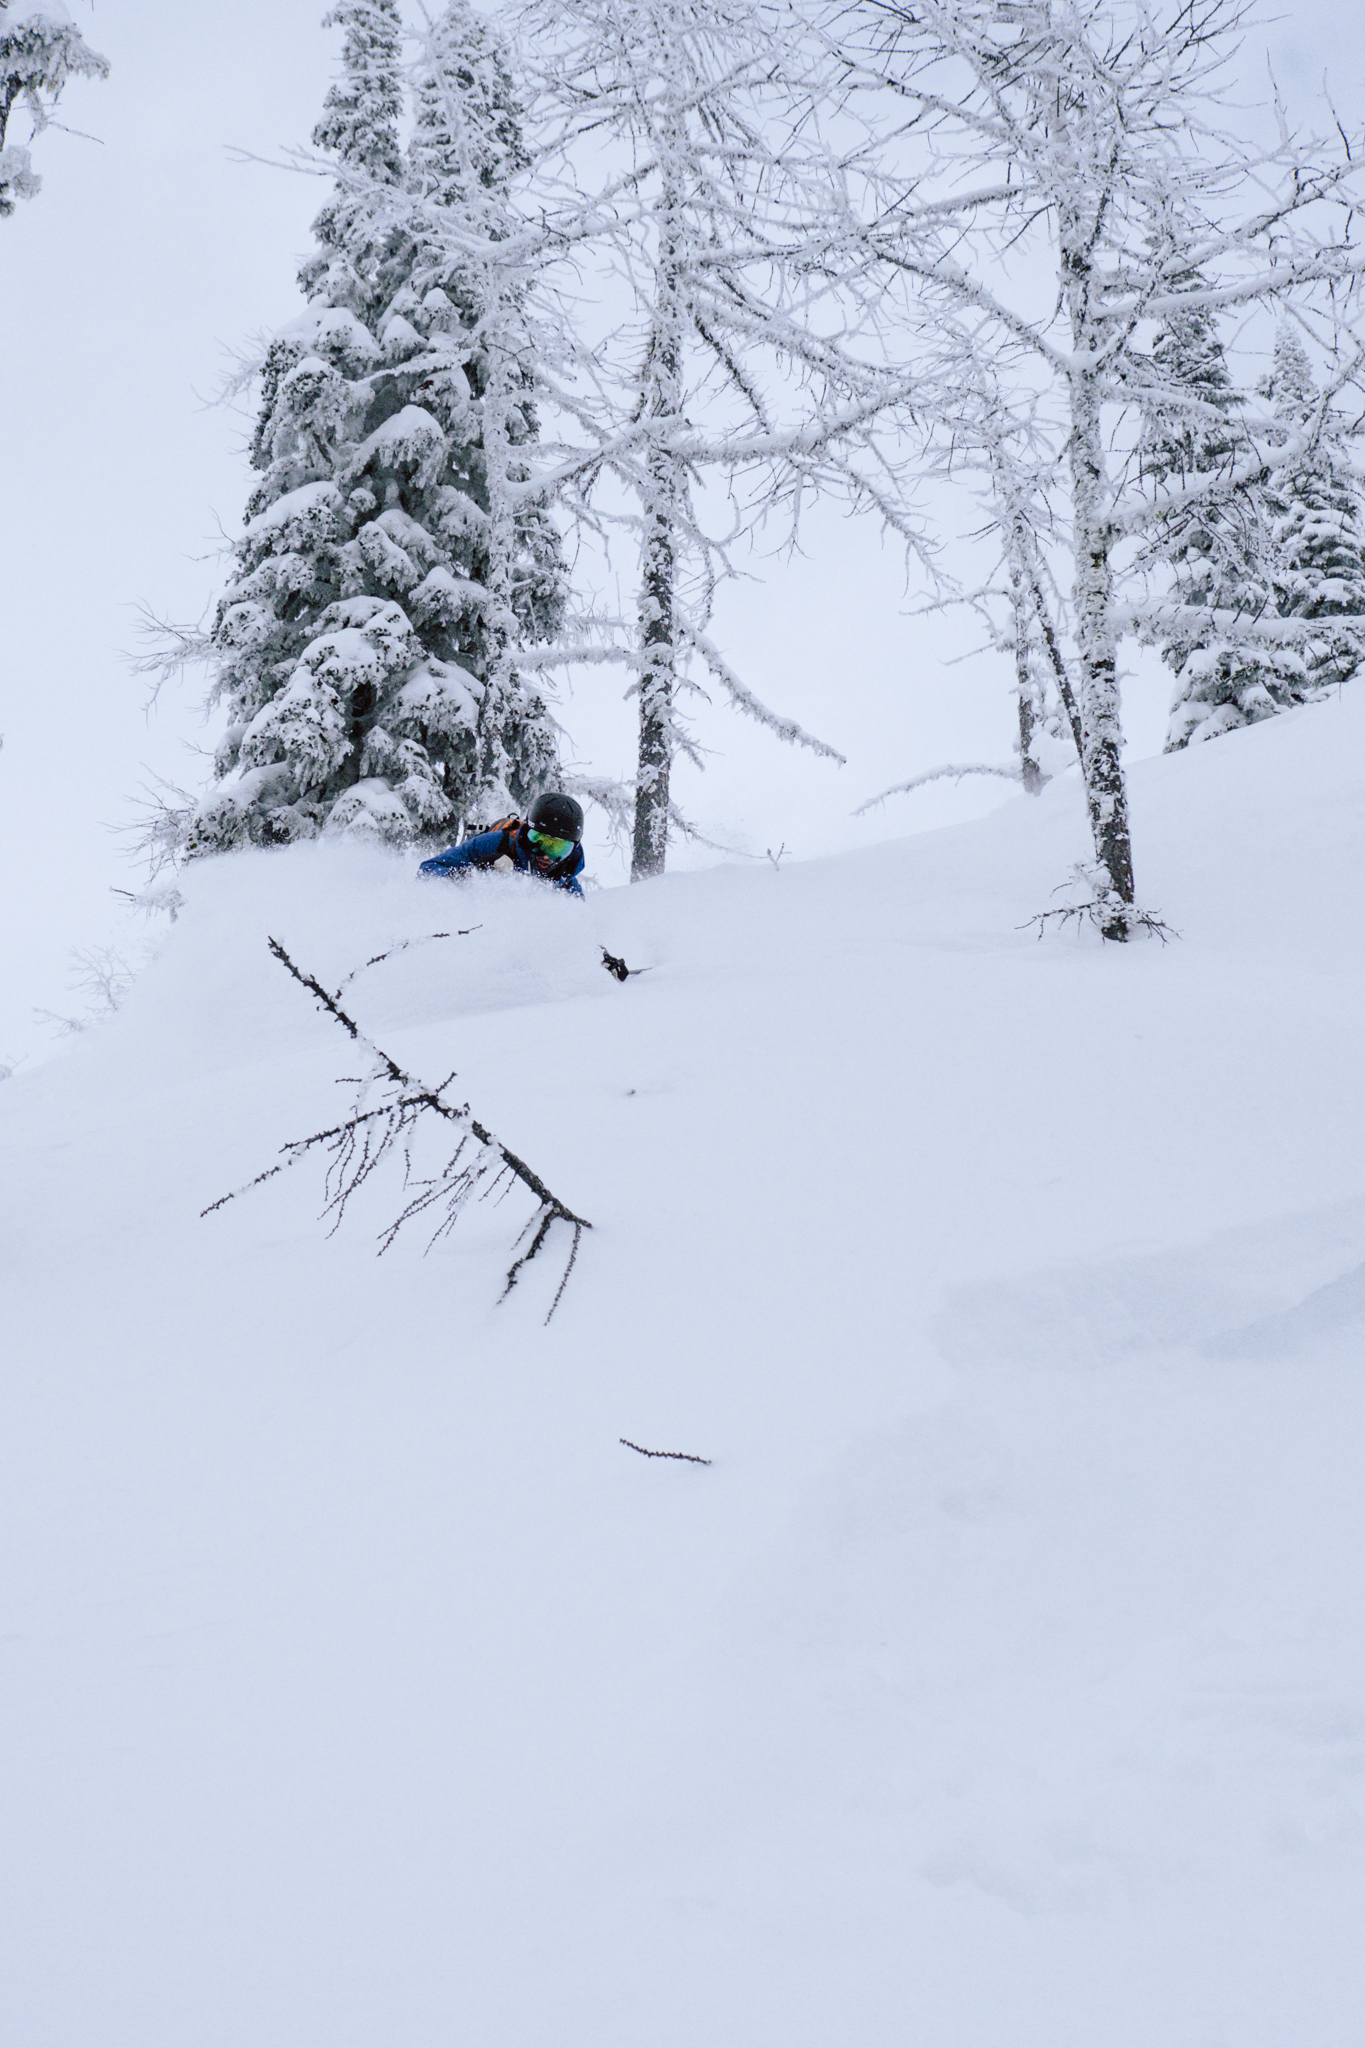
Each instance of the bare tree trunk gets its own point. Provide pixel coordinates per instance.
(657, 680)
(1030, 772)
(9, 93)
(659, 568)
(1026, 595)
(1054, 652)
(1096, 648)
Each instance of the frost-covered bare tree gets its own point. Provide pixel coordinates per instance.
(40, 50)
(661, 125)
(993, 449)
(1059, 177)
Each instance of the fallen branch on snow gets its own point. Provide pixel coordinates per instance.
(480, 1163)
(686, 1456)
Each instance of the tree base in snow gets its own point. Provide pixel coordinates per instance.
(1102, 907)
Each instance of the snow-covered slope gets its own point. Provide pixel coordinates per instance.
(999, 1684)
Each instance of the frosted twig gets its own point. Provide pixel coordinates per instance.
(951, 772)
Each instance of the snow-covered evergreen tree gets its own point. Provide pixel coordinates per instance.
(477, 360)
(359, 128)
(1217, 552)
(1319, 527)
(363, 644)
(40, 49)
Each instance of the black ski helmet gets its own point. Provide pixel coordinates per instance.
(557, 815)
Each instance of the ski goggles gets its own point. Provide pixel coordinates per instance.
(553, 849)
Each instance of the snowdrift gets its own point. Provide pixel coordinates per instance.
(1000, 1683)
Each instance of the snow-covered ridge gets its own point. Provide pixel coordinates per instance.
(998, 1685)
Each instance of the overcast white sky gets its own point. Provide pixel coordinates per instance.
(149, 257)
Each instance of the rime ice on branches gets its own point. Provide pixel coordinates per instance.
(40, 50)
(1050, 180)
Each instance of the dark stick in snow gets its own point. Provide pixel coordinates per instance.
(357, 1145)
(617, 967)
(686, 1456)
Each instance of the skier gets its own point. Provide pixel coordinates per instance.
(548, 844)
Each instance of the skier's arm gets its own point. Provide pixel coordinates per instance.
(570, 885)
(479, 852)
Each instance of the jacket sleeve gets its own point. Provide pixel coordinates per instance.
(479, 852)
(570, 883)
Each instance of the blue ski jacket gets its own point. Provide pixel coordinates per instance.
(485, 847)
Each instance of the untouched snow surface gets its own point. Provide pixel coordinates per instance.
(1000, 1684)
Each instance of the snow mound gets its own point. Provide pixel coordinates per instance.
(1001, 1681)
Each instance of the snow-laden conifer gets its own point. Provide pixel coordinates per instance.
(40, 50)
(359, 130)
(363, 645)
(1269, 584)
(1318, 509)
(470, 268)
(1217, 553)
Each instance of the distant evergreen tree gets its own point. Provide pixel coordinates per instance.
(40, 49)
(1319, 529)
(1218, 552)
(362, 629)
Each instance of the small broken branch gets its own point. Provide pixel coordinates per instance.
(402, 947)
(686, 1457)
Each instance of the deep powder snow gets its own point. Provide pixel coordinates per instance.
(1000, 1683)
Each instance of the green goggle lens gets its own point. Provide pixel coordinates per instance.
(556, 849)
